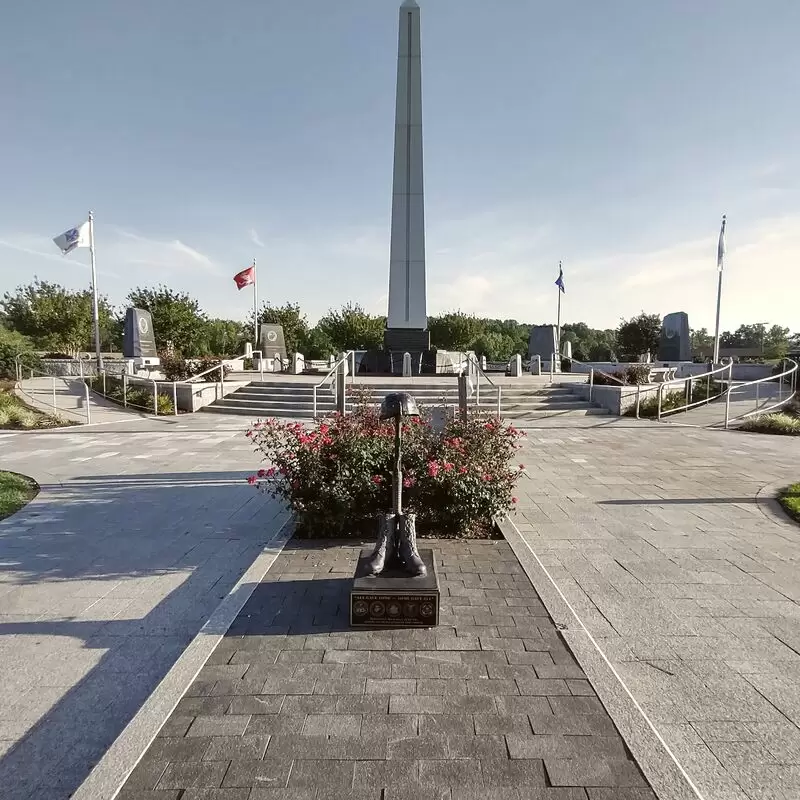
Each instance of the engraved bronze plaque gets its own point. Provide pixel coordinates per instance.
(394, 600)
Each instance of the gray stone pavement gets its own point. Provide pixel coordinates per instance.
(688, 583)
(293, 704)
(141, 528)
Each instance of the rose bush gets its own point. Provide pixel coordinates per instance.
(336, 474)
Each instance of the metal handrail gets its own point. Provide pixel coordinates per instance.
(792, 372)
(687, 383)
(592, 371)
(54, 378)
(474, 359)
(341, 360)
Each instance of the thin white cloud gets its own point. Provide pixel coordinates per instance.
(174, 256)
(30, 251)
(255, 239)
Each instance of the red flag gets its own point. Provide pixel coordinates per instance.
(247, 277)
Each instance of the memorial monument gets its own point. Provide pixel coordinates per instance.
(396, 584)
(138, 338)
(675, 343)
(543, 342)
(407, 321)
(272, 341)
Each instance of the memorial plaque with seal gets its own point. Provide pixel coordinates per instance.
(393, 599)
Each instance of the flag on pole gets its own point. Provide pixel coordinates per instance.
(247, 277)
(74, 237)
(721, 246)
(560, 280)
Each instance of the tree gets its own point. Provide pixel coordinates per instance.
(177, 318)
(289, 317)
(13, 344)
(776, 342)
(352, 328)
(701, 339)
(638, 335)
(454, 330)
(495, 346)
(225, 337)
(317, 345)
(55, 318)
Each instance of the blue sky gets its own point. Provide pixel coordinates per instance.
(610, 135)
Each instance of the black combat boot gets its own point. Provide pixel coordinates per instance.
(384, 547)
(407, 546)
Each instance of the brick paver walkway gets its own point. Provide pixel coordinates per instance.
(292, 704)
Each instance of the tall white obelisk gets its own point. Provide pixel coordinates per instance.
(407, 320)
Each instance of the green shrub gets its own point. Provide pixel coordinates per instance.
(336, 475)
(648, 406)
(138, 396)
(637, 374)
(702, 390)
(789, 498)
(15, 415)
(782, 424)
(177, 368)
(608, 379)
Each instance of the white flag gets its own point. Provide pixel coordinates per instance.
(74, 237)
(721, 246)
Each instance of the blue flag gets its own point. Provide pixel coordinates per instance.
(560, 281)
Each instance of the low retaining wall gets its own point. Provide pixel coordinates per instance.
(194, 396)
(190, 396)
(617, 399)
(741, 372)
(71, 367)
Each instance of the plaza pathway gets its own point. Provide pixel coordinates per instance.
(688, 583)
(652, 532)
(141, 528)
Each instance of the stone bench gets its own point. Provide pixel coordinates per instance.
(662, 374)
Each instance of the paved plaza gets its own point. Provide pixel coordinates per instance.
(654, 535)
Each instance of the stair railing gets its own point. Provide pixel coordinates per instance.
(350, 354)
(478, 372)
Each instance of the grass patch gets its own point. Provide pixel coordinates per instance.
(790, 500)
(781, 423)
(15, 492)
(16, 416)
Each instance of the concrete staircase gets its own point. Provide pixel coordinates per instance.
(519, 402)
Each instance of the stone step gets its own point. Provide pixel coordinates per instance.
(257, 412)
(299, 390)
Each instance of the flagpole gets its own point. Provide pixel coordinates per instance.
(95, 303)
(558, 334)
(720, 263)
(255, 306)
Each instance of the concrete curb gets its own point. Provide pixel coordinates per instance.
(661, 771)
(767, 501)
(110, 773)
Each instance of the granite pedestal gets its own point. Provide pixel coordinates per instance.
(393, 599)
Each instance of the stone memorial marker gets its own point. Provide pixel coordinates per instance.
(272, 341)
(675, 343)
(543, 341)
(138, 340)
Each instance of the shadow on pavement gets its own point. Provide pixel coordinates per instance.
(109, 578)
